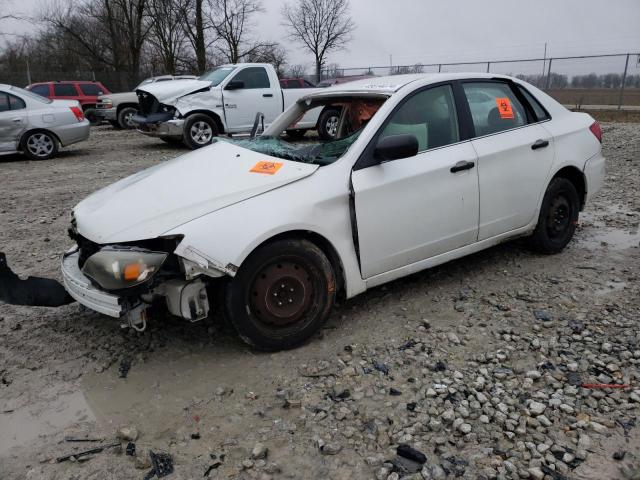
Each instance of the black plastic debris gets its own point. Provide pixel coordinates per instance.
(440, 366)
(77, 455)
(404, 466)
(161, 465)
(339, 396)
(542, 315)
(411, 453)
(211, 468)
(381, 367)
(619, 455)
(35, 291)
(411, 406)
(394, 391)
(195, 436)
(131, 449)
(125, 366)
(407, 345)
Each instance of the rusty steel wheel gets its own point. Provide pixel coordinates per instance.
(281, 295)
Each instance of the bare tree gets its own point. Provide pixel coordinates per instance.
(297, 71)
(231, 21)
(321, 26)
(167, 32)
(195, 29)
(274, 54)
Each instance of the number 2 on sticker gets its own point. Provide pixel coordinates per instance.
(504, 108)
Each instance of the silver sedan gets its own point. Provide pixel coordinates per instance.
(38, 126)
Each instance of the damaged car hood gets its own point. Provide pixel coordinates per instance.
(161, 198)
(166, 92)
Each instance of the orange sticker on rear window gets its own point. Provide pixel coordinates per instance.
(504, 107)
(266, 167)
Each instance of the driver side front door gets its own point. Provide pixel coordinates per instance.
(415, 208)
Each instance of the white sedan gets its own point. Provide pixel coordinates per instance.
(38, 126)
(414, 179)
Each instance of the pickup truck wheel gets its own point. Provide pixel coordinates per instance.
(328, 124)
(281, 295)
(296, 134)
(199, 131)
(40, 145)
(125, 117)
(90, 114)
(558, 217)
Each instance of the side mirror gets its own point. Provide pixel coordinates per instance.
(234, 85)
(395, 147)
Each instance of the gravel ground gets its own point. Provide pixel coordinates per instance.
(470, 370)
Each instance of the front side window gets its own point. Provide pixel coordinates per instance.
(494, 107)
(91, 89)
(429, 115)
(64, 90)
(253, 77)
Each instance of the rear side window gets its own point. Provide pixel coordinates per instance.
(4, 102)
(91, 89)
(64, 90)
(494, 107)
(41, 90)
(16, 103)
(540, 112)
(253, 77)
(429, 115)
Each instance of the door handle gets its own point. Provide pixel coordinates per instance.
(267, 95)
(540, 144)
(460, 166)
(17, 120)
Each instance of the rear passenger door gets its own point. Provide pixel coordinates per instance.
(414, 208)
(13, 121)
(65, 91)
(515, 155)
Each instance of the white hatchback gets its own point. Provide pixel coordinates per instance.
(417, 176)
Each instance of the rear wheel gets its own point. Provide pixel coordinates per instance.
(328, 124)
(125, 117)
(558, 217)
(281, 295)
(90, 114)
(40, 145)
(199, 131)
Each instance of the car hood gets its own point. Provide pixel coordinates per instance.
(161, 198)
(169, 91)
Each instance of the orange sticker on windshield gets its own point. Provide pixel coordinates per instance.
(504, 107)
(266, 167)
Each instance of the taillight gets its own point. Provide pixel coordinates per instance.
(78, 113)
(596, 130)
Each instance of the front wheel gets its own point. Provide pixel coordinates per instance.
(125, 117)
(328, 123)
(558, 217)
(94, 119)
(40, 145)
(281, 295)
(199, 130)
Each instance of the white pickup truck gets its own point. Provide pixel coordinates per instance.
(224, 100)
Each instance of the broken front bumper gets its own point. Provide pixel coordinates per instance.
(80, 288)
(157, 125)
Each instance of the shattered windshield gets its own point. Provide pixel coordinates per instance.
(318, 153)
(216, 75)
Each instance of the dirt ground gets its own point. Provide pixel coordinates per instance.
(485, 340)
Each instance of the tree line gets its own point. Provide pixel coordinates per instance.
(132, 39)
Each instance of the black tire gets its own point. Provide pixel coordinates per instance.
(558, 217)
(296, 134)
(281, 295)
(40, 145)
(90, 114)
(328, 123)
(114, 124)
(172, 140)
(199, 130)
(124, 117)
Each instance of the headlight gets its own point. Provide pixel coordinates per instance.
(106, 103)
(114, 268)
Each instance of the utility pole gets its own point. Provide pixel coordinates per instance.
(544, 61)
(28, 73)
(390, 64)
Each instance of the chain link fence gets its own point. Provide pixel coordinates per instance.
(587, 81)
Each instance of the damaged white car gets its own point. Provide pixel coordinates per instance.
(415, 178)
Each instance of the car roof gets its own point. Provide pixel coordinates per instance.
(392, 83)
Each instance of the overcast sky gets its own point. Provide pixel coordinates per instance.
(434, 31)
